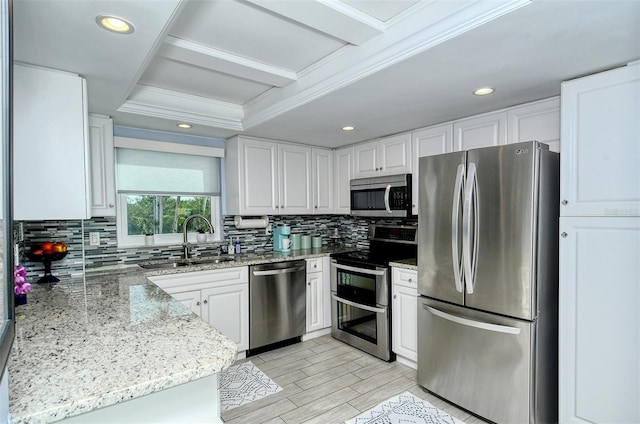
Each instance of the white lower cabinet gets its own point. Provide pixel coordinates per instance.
(404, 318)
(220, 297)
(318, 292)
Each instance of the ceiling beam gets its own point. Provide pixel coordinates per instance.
(331, 17)
(213, 59)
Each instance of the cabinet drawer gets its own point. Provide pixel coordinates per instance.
(405, 277)
(314, 265)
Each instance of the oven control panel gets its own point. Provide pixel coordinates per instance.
(394, 233)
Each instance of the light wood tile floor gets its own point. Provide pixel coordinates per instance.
(325, 381)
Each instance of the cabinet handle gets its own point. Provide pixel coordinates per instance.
(281, 206)
(564, 235)
(198, 303)
(111, 205)
(395, 296)
(308, 284)
(316, 206)
(315, 265)
(411, 280)
(205, 302)
(565, 202)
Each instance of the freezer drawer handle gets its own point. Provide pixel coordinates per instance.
(360, 270)
(471, 323)
(455, 216)
(280, 271)
(358, 305)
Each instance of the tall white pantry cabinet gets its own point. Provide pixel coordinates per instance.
(599, 310)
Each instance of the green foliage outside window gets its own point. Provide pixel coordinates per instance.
(158, 214)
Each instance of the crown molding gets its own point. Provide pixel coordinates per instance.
(171, 105)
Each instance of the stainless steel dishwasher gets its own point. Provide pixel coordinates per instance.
(277, 303)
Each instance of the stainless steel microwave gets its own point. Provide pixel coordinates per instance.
(381, 196)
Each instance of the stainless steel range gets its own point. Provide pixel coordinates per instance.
(361, 289)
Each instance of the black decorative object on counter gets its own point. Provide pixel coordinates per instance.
(46, 259)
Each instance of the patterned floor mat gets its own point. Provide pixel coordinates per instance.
(242, 384)
(404, 409)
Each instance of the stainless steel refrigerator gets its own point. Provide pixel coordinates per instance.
(488, 280)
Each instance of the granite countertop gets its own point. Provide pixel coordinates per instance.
(243, 259)
(406, 264)
(88, 343)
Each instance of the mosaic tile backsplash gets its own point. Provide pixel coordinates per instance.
(75, 233)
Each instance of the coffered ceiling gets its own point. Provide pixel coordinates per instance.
(299, 70)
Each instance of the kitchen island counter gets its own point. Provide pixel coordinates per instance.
(90, 343)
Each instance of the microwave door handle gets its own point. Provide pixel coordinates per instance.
(386, 198)
(455, 230)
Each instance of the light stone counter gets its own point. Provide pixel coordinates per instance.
(84, 345)
(406, 264)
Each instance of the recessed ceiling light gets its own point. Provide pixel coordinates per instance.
(348, 128)
(185, 126)
(483, 91)
(115, 24)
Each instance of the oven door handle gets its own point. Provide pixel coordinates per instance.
(358, 305)
(360, 270)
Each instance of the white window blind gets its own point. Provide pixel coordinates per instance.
(161, 172)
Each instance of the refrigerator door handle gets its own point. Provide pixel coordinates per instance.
(455, 216)
(470, 228)
(386, 198)
(472, 323)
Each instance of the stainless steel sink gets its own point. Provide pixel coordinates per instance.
(180, 263)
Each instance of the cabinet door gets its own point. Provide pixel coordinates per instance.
(103, 188)
(190, 299)
(49, 134)
(326, 291)
(322, 168)
(427, 142)
(600, 161)
(343, 165)
(481, 131)
(227, 309)
(315, 319)
(395, 154)
(599, 320)
(295, 179)
(258, 177)
(366, 161)
(405, 322)
(536, 121)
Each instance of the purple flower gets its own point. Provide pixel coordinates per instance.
(20, 280)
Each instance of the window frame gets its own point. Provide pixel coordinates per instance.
(126, 240)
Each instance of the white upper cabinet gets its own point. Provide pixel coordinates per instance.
(427, 142)
(536, 121)
(480, 131)
(50, 151)
(294, 169)
(601, 144)
(387, 156)
(343, 166)
(264, 177)
(103, 188)
(251, 176)
(322, 172)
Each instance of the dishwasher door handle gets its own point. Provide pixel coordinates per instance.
(280, 271)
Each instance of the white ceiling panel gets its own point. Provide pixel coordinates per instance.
(250, 31)
(383, 10)
(185, 78)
